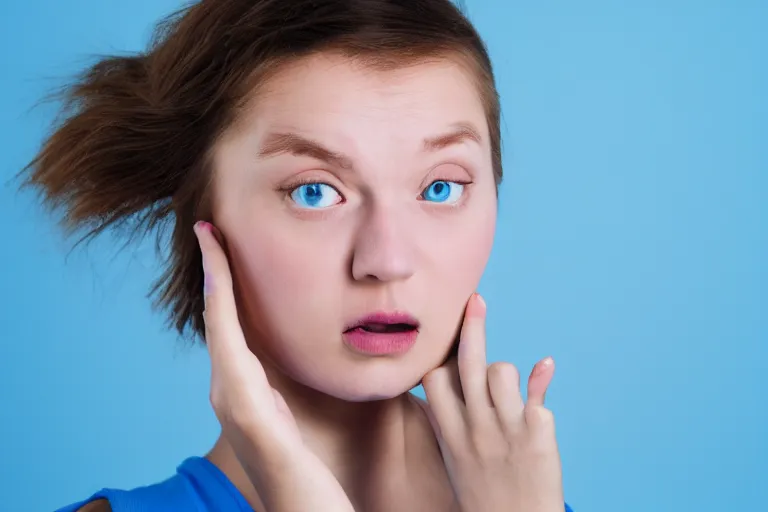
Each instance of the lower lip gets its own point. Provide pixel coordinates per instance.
(380, 343)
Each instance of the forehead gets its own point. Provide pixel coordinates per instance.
(331, 92)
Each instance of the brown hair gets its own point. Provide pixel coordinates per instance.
(134, 147)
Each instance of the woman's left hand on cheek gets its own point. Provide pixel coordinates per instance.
(501, 453)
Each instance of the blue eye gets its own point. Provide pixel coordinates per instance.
(443, 192)
(315, 195)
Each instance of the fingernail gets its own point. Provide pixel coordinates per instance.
(207, 280)
(475, 308)
(202, 225)
(544, 364)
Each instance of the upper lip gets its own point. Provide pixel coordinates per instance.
(383, 317)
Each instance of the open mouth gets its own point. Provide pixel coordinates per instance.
(384, 323)
(380, 328)
(382, 333)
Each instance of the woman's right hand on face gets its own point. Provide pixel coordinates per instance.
(254, 416)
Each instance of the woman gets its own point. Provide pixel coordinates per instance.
(330, 170)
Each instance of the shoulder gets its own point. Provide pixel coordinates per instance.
(96, 506)
(194, 486)
(93, 504)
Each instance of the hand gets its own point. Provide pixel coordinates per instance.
(254, 416)
(500, 453)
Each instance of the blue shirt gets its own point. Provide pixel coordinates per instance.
(197, 486)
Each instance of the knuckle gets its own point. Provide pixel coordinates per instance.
(217, 402)
(216, 394)
(503, 371)
(540, 417)
(434, 377)
(233, 414)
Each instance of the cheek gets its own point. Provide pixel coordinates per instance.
(457, 264)
(472, 252)
(277, 273)
(285, 280)
(462, 255)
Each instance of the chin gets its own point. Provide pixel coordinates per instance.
(386, 380)
(370, 385)
(364, 393)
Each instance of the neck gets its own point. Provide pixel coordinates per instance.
(362, 443)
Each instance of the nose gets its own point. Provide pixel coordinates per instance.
(383, 249)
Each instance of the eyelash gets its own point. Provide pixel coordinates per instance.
(445, 207)
(465, 183)
(288, 189)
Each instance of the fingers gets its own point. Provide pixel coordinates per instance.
(224, 336)
(465, 394)
(472, 360)
(539, 380)
(220, 311)
(504, 384)
(443, 389)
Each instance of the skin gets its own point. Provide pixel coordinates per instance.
(307, 422)
(382, 248)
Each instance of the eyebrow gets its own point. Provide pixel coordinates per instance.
(298, 145)
(278, 143)
(461, 132)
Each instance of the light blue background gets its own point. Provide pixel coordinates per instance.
(632, 245)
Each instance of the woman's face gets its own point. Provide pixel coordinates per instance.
(343, 192)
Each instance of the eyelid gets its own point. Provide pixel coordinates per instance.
(307, 180)
(286, 191)
(464, 173)
(467, 190)
(448, 180)
(464, 183)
